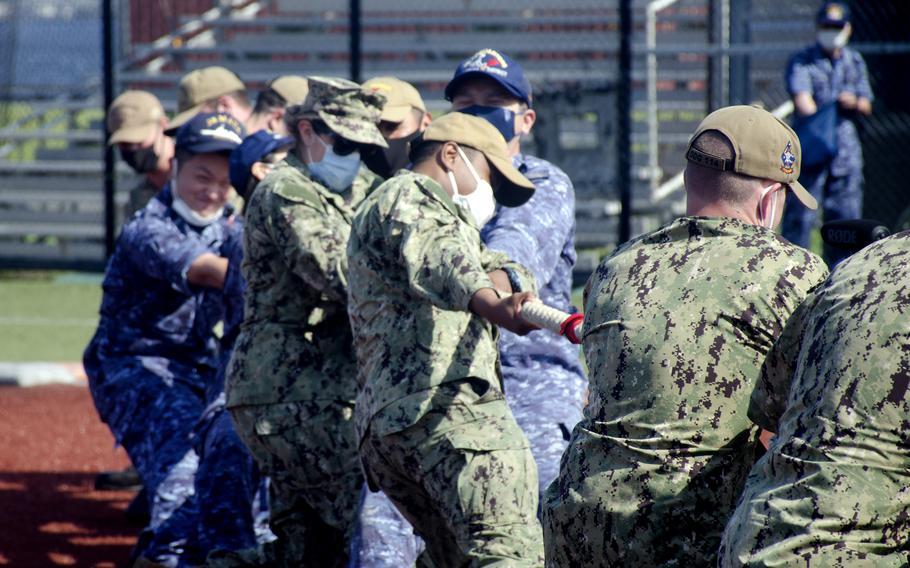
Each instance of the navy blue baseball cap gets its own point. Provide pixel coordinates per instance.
(210, 132)
(496, 65)
(833, 15)
(256, 146)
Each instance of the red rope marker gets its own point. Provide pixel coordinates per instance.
(557, 321)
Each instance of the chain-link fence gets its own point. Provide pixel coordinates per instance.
(688, 58)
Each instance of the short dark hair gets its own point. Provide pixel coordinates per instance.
(424, 150)
(183, 156)
(267, 100)
(727, 186)
(239, 95)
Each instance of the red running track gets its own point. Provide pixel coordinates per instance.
(51, 446)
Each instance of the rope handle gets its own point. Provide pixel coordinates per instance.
(557, 321)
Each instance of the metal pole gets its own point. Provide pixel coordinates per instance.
(624, 121)
(107, 71)
(654, 6)
(355, 40)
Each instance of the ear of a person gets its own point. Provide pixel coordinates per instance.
(259, 170)
(527, 120)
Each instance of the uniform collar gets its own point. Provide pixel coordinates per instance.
(436, 191)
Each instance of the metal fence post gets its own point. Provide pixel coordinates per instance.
(356, 33)
(624, 122)
(107, 71)
(740, 65)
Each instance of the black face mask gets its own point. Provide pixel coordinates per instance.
(384, 162)
(143, 160)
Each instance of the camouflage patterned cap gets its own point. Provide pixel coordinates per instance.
(345, 107)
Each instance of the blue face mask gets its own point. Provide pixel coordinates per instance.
(335, 171)
(502, 118)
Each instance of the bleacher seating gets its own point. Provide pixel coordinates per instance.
(569, 50)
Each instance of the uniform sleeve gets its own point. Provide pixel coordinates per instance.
(534, 234)
(863, 89)
(313, 250)
(769, 399)
(797, 76)
(520, 276)
(441, 264)
(161, 251)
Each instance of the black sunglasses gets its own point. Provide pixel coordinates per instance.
(343, 147)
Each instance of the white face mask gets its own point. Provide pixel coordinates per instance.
(480, 203)
(336, 172)
(186, 212)
(832, 39)
(768, 223)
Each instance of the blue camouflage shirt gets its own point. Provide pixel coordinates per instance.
(149, 308)
(541, 367)
(811, 71)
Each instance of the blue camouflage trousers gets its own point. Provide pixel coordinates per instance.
(228, 489)
(840, 197)
(151, 405)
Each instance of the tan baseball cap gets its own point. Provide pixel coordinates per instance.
(200, 86)
(764, 147)
(133, 116)
(400, 96)
(479, 134)
(292, 88)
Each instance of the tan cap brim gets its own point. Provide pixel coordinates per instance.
(395, 113)
(132, 135)
(804, 196)
(516, 189)
(181, 119)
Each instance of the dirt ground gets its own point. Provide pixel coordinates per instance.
(51, 446)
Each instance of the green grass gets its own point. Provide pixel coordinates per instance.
(47, 316)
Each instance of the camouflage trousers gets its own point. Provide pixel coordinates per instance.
(308, 451)
(383, 538)
(464, 477)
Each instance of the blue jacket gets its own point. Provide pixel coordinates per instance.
(811, 71)
(149, 309)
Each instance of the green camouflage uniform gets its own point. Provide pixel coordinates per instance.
(834, 487)
(677, 325)
(292, 380)
(436, 433)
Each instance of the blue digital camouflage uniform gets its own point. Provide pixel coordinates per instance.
(677, 325)
(154, 353)
(837, 185)
(833, 488)
(542, 375)
(227, 482)
(436, 434)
